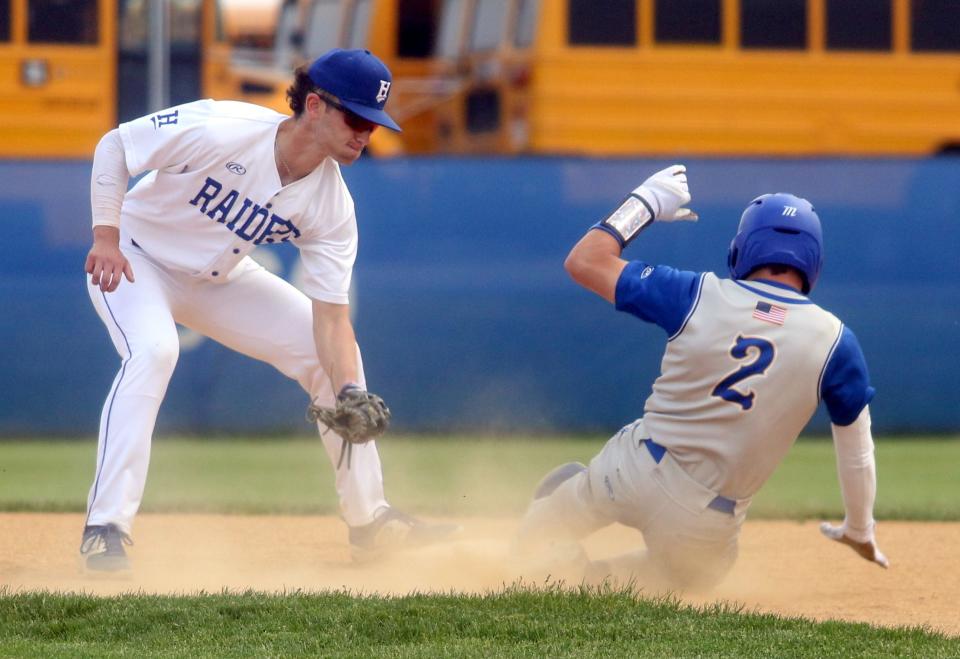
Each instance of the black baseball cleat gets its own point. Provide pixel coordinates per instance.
(392, 531)
(103, 548)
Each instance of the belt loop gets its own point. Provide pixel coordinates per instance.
(723, 505)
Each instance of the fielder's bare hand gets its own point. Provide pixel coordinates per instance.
(106, 264)
(867, 549)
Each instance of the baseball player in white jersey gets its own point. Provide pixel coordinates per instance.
(225, 177)
(748, 360)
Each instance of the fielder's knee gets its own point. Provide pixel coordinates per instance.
(153, 361)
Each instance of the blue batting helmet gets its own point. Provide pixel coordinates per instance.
(778, 229)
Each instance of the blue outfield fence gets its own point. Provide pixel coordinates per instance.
(465, 316)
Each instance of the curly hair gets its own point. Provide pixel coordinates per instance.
(297, 92)
(302, 85)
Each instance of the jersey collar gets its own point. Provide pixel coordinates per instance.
(759, 287)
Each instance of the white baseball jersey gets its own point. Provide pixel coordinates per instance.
(746, 364)
(187, 229)
(216, 194)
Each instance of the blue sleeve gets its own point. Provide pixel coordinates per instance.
(846, 386)
(657, 294)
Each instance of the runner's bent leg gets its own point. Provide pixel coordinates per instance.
(688, 545)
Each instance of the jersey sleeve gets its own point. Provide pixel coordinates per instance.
(328, 260)
(167, 139)
(845, 388)
(657, 294)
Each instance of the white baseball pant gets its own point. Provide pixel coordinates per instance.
(255, 313)
(689, 544)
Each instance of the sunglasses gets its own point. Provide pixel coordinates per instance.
(351, 118)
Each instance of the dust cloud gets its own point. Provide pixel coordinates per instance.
(785, 568)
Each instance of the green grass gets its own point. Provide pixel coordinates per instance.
(518, 622)
(440, 475)
(445, 475)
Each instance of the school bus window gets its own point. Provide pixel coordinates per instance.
(62, 21)
(359, 24)
(687, 21)
(488, 25)
(613, 25)
(286, 34)
(526, 23)
(936, 25)
(4, 20)
(863, 25)
(448, 43)
(219, 30)
(134, 25)
(780, 25)
(185, 23)
(133, 37)
(417, 28)
(483, 110)
(323, 27)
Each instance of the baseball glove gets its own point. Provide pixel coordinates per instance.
(358, 416)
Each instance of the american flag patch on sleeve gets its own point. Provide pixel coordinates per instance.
(770, 313)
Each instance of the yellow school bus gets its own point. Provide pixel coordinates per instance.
(59, 73)
(626, 77)
(72, 69)
(723, 77)
(400, 32)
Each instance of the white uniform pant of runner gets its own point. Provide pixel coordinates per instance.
(688, 544)
(255, 313)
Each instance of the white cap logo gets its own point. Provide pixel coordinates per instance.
(384, 90)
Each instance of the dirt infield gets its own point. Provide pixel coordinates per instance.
(784, 567)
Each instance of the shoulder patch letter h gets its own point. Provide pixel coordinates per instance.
(164, 119)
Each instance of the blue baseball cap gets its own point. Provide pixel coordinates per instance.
(359, 79)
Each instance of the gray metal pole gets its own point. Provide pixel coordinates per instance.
(158, 59)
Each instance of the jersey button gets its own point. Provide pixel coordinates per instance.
(215, 273)
(236, 250)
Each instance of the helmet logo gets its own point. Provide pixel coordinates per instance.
(384, 90)
(790, 211)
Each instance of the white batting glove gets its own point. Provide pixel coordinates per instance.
(660, 197)
(861, 542)
(665, 193)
